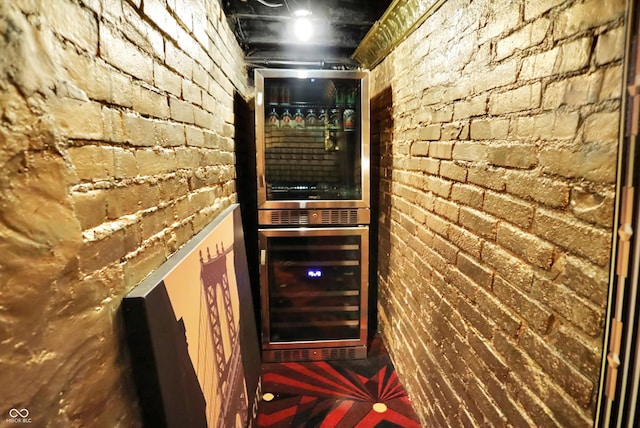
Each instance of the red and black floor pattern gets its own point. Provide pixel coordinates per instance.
(335, 394)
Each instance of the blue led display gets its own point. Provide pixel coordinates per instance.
(314, 273)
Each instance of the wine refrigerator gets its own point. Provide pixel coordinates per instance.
(312, 140)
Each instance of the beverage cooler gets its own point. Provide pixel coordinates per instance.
(313, 212)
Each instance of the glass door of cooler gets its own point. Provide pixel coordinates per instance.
(314, 284)
(311, 138)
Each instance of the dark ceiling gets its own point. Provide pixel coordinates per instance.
(264, 29)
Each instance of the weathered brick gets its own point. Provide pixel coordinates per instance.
(169, 134)
(157, 12)
(547, 126)
(87, 75)
(486, 176)
(455, 131)
(523, 98)
(121, 201)
(446, 209)
(478, 222)
(611, 83)
(479, 396)
(77, 119)
(575, 91)
(151, 103)
(461, 282)
(430, 132)
(125, 165)
(584, 354)
(102, 252)
(511, 144)
(438, 224)
(92, 163)
(445, 249)
(169, 81)
(503, 74)
(509, 208)
(534, 8)
(74, 23)
(476, 271)
(573, 235)
(509, 267)
(514, 414)
(465, 240)
(480, 323)
(124, 55)
(573, 56)
(476, 106)
(178, 61)
(528, 36)
(155, 221)
(468, 195)
(419, 148)
(155, 161)
(582, 277)
(470, 151)
(589, 14)
(439, 186)
(90, 208)
(113, 125)
(602, 127)
(191, 92)
(139, 131)
(181, 111)
(441, 149)
(508, 18)
(488, 129)
(531, 312)
(513, 156)
(543, 190)
(530, 248)
(594, 162)
(539, 65)
(504, 318)
(143, 262)
(572, 381)
(453, 171)
(581, 313)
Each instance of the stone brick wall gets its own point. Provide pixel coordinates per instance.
(294, 156)
(117, 146)
(497, 125)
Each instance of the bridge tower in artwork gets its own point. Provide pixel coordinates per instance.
(231, 389)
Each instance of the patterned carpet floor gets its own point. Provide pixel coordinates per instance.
(335, 394)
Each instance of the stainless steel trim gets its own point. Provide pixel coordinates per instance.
(317, 309)
(317, 323)
(315, 354)
(319, 247)
(269, 346)
(365, 157)
(326, 263)
(326, 217)
(326, 293)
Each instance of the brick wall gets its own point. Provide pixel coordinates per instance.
(117, 146)
(299, 156)
(497, 125)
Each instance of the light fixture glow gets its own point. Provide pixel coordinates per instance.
(301, 13)
(303, 29)
(302, 26)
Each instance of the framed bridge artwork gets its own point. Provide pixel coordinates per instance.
(191, 333)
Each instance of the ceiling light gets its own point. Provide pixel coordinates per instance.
(302, 26)
(300, 13)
